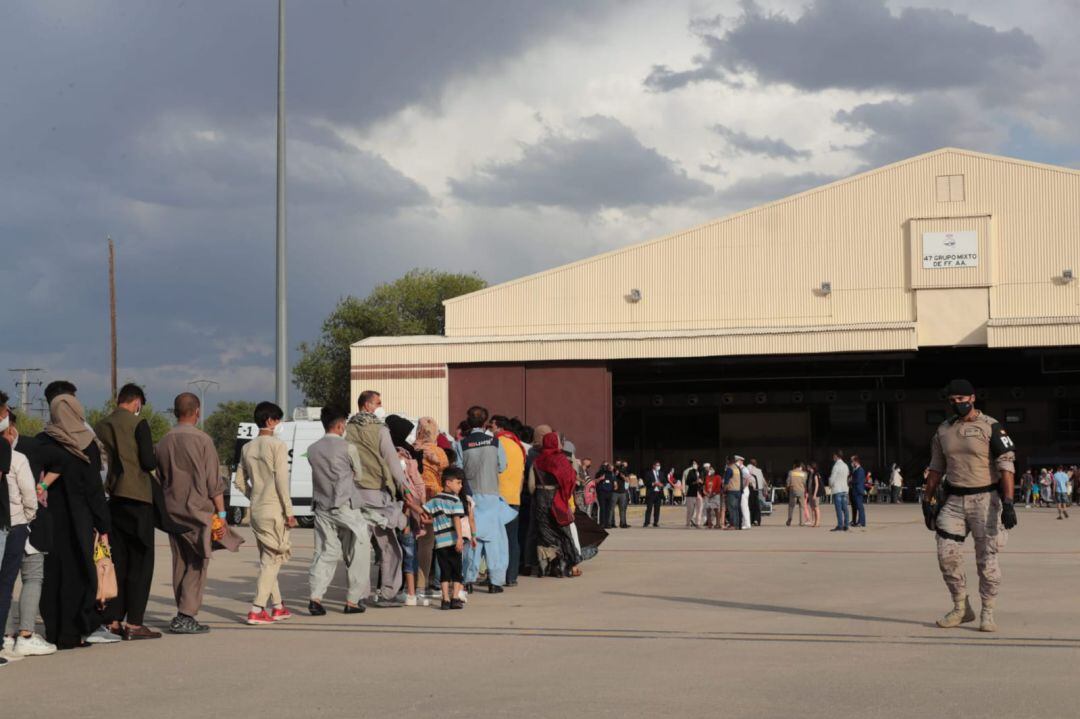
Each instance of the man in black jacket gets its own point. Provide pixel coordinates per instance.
(621, 495)
(654, 494)
(605, 488)
(692, 484)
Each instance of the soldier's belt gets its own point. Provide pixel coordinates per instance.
(949, 535)
(966, 491)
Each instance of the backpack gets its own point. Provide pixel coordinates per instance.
(590, 492)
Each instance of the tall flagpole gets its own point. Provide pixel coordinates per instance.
(112, 319)
(281, 381)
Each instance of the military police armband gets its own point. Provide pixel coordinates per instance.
(1000, 441)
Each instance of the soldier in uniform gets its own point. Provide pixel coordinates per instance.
(975, 453)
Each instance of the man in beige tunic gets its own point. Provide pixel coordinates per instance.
(975, 454)
(263, 477)
(188, 469)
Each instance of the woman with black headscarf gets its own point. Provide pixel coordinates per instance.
(77, 510)
(400, 431)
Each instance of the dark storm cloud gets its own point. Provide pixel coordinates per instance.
(154, 122)
(855, 44)
(740, 143)
(898, 129)
(604, 166)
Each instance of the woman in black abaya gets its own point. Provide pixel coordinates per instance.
(77, 508)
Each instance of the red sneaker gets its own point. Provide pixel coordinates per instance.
(280, 613)
(259, 618)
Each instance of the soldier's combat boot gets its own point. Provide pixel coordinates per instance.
(961, 614)
(986, 619)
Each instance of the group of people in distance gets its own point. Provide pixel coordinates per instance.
(1054, 487)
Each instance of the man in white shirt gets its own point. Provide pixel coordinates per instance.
(838, 485)
(896, 483)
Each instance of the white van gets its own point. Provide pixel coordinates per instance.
(298, 434)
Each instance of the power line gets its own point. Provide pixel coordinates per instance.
(24, 384)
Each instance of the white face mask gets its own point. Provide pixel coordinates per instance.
(138, 411)
(5, 423)
(380, 412)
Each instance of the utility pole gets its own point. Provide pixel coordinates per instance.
(281, 382)
(24, 383)
(112, 317)
(202, 385)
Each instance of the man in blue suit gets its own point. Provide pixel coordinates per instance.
(858, 491)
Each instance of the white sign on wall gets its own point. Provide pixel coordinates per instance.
(945, 250)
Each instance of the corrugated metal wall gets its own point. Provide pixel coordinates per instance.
(764, 267)
(412, 396)
(853, 338)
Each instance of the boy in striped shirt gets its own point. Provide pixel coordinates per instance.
(446, 511)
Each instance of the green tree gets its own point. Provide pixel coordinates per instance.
(28, 425)
(159, 422)
(222, 423)
(411, 305)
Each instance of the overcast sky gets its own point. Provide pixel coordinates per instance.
(502, 137)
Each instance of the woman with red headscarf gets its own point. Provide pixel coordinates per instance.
(555, 480)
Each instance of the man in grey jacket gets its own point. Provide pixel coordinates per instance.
(483, 458)
(335, 491)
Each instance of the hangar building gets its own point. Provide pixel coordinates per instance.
(831, 318)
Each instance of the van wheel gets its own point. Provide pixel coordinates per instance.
(306, 522)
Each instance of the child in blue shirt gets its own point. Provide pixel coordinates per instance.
(446, 512)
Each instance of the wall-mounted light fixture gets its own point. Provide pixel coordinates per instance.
(1067, 275)
(634, 296)
(826, 288)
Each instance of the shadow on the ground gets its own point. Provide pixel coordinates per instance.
(772, 608)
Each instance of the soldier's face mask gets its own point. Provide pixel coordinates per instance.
(961, 408)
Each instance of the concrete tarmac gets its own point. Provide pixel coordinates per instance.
(770, 622)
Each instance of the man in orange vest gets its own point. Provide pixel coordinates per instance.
(511, 480)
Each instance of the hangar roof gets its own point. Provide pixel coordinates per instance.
(869, 262)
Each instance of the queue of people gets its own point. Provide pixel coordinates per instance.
(415, 515)
(85, 502)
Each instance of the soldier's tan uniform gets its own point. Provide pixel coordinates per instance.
(962, 451)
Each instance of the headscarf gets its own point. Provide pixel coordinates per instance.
(400, 428)
(67, 425)
(363, 419)
(427, 432)
(552, 461)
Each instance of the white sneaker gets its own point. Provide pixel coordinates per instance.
(463, 595)
(34, 646)
(102, 635)
(11, 656)
(9, 644)
(410, 600)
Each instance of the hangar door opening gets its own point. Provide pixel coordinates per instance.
(777, 411)
(884, 407)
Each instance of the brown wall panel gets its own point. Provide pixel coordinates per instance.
(575, 399)
(499, 387)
